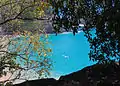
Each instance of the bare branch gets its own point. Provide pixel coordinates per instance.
(31, 19)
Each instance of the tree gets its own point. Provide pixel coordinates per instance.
(26, 48)
(100, 16)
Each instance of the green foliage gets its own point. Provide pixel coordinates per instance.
(101, 15)
(32, 52)
(26, 48)
(15, 14)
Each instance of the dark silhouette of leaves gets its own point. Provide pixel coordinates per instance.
(102, 16)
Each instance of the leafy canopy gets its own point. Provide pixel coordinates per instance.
(102, 16)
(26, 48)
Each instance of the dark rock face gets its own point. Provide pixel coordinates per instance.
(95, 75)
(40, 82)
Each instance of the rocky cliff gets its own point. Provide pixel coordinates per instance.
(95, 75)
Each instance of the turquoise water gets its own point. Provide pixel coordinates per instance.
(70, 53)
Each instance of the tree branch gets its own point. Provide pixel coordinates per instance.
(16, 17)
(7, 4)
(32, 19)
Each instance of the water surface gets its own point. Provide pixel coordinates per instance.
(70, 53)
